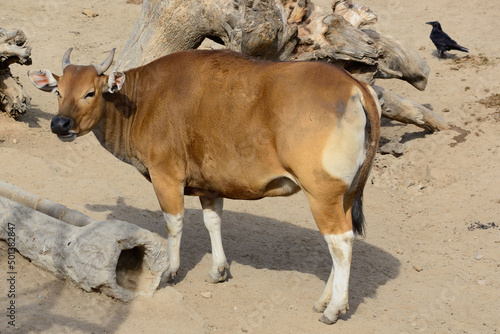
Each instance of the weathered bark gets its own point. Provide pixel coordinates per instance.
(117, 258)
(398, 60)
(279, 30)
(329, 37)
(357, 15)
(13, 99)
(257, 28)
(364, 53)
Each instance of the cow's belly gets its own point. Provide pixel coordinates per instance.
(277, 186)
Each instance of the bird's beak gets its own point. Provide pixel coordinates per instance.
(428, 23)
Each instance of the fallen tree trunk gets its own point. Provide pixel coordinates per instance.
(117, 258)
(13, 49)
(398, 108)
(277, 30)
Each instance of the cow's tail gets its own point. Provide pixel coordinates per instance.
(372, 109)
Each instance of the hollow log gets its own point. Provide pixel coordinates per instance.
(117, 258)
(279, 30)
(13, 49)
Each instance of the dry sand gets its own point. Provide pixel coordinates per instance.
(419, 269)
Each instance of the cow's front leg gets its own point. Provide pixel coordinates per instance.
(212, 214)
(170, 195)
(174, 223)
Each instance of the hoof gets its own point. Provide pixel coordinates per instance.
(344, 311)
(320, 307)
(218, 277)
(213, 280)
(169, 277)
(327, 321)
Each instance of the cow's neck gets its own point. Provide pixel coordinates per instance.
(114, 129)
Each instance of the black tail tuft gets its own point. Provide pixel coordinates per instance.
(358, 218)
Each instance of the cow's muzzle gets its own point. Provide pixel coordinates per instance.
(61, 126)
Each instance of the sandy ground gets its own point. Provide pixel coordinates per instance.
(424, 266)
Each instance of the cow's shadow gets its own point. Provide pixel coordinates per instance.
(263, 242)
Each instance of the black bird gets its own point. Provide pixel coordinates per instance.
(442, 41)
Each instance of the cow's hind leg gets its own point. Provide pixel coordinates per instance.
(212, 214)
(340, 246)
(337, 231)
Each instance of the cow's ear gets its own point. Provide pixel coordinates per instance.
(115, 81)
(43, 80)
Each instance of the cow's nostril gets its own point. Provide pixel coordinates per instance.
(61, 125)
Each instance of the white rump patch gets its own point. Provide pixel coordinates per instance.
(345, 150)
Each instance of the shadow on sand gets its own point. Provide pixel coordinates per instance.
(263, 242)
(256, 241)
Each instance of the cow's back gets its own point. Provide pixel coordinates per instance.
(237, 122)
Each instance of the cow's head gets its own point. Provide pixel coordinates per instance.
(79, 93)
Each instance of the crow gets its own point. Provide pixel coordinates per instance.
(442, 41)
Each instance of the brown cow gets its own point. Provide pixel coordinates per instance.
(219, 124)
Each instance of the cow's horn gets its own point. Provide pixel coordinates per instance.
(101, 68)
(65, 59)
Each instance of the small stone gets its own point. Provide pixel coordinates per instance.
(428, 106)
(478, 256)
(207, 294)
(15, 141)
(481, 282)
(399, 251)
(393, 147)
(418, 268)
(89, 13)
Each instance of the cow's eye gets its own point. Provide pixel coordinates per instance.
(90, 94)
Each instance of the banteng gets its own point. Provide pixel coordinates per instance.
(219, 124)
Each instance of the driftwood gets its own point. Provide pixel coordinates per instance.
(117, 258)
(277, 30)
(257, 28)
(13, 49)
(398, 60)
(403, 110)
(356, 15)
